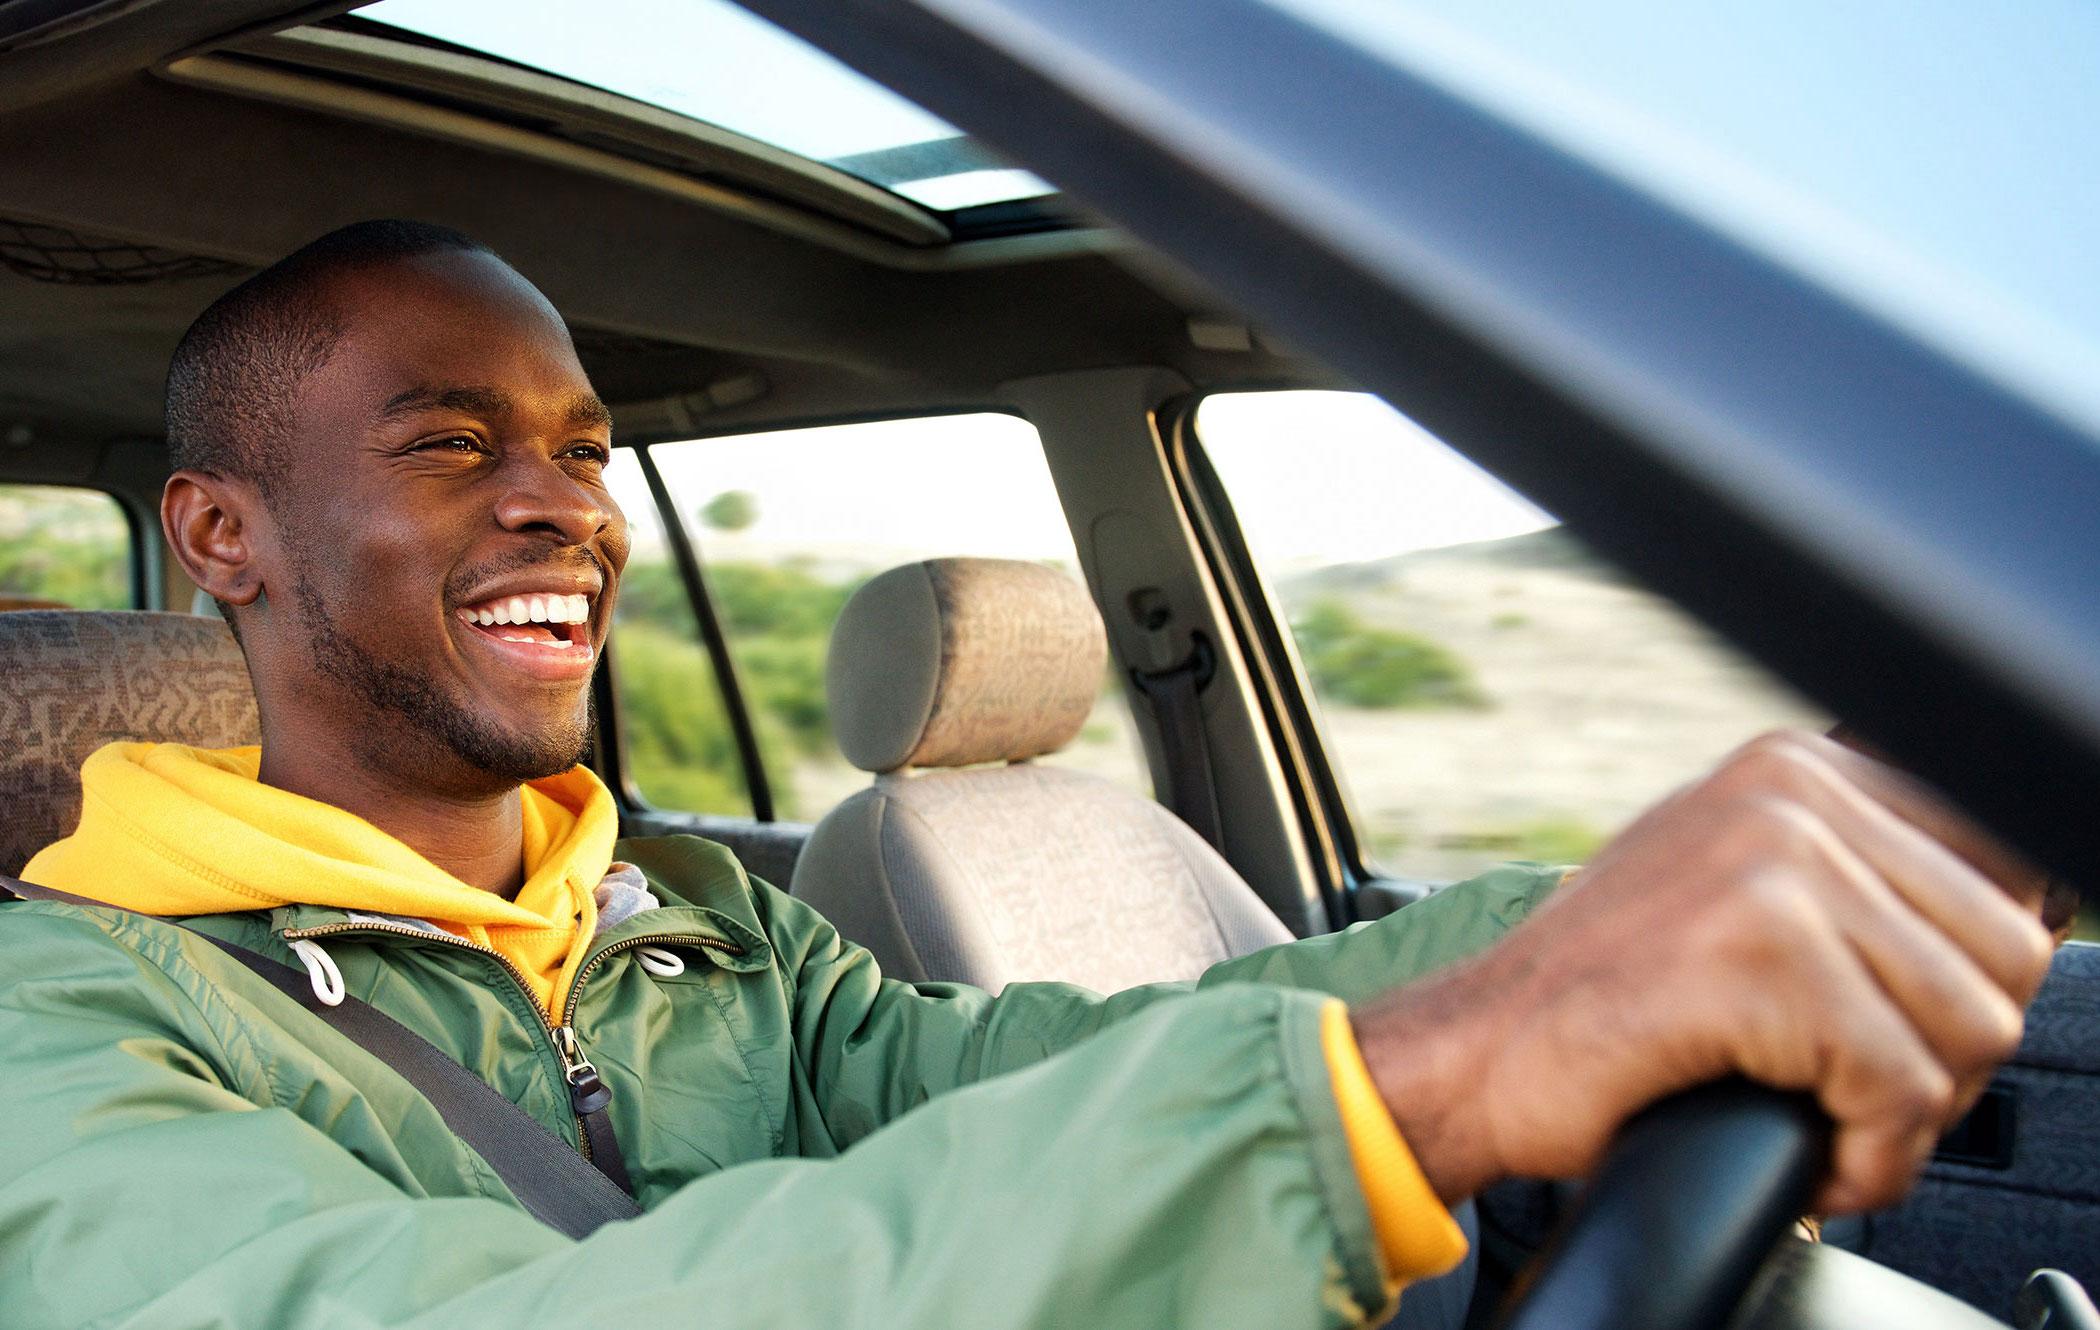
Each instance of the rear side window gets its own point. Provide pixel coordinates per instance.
(679, 749)
(788, 525)
(64, 548)
(1487, 688)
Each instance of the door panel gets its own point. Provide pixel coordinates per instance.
(1977, 1230)
(766, 849)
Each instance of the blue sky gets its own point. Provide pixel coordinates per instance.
(1938, 159)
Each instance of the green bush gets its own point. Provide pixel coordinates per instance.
(1358, 665)
(679, 744)
(64, 545)
(778, 618)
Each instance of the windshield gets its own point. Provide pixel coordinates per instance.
(712, 61)
(1936, 160)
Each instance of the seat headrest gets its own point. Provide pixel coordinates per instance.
(78, 679)
(952, 662)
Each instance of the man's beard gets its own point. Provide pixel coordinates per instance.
(409, 696)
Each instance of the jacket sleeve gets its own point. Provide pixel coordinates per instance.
(870, 1049)
(1185, 1167)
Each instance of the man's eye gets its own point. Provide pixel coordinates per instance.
(594, 452)
(451, 443)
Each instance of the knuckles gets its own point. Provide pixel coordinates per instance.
(1994, 1035)
(2038, 949)
(1925, 1097)
(1775, 760)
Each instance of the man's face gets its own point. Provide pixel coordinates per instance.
(450, 554)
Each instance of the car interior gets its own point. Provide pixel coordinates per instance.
(724, 289)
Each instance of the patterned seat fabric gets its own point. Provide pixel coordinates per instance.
(964, 862)
(78, 679)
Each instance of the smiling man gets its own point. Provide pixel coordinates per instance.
(389, 470)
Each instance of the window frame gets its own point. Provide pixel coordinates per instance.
(1350, 885)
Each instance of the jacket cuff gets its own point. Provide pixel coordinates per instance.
(1416, 1234)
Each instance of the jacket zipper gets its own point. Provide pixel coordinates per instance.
(587, 1092)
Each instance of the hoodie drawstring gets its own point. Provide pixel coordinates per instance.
(659, 961)
(320, 967)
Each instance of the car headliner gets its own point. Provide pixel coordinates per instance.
(714, 283)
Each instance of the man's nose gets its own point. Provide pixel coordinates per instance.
(540, 496)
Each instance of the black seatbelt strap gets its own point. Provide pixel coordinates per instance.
(554, 1182)
(1176, 695)
(561, 1188)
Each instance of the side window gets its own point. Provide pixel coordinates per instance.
(64, 547)
(1488, 689)
(790, 523)
(679, 749)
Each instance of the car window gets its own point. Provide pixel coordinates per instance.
(789, 523)
(1488, 689)
(677, 746)
(64, 547)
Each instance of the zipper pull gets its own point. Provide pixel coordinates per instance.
(587, 1093)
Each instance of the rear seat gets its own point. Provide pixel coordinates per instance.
(78, 679)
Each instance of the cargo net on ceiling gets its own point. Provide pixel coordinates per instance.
(54, 254)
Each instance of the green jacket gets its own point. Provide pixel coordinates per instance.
(186, 1147)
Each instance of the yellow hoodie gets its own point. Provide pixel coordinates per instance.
(167, 829)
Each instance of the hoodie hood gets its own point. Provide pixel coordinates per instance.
(172, 830)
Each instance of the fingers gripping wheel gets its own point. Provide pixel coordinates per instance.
(1687, 1206)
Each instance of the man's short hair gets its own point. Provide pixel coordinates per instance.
(237, 370)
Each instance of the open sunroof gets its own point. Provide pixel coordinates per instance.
(713, 61)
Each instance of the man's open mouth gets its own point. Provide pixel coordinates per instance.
(550, 620)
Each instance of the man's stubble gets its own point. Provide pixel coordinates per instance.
(420, 709)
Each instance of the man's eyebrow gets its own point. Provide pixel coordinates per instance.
(584, 409)
(484, 402)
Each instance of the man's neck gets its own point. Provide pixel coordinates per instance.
(479, 838)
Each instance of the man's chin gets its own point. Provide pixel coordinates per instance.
(448, 730)
(507, 753)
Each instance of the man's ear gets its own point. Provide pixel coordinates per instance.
(212, 523)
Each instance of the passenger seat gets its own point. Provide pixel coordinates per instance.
(968, 862)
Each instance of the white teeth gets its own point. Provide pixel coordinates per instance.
(531, 609)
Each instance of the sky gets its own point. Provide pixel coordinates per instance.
(714, 61)
(1937, 160)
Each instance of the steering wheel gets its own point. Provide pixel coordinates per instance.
(1679, 1230)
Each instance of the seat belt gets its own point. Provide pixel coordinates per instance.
(554, 1182)
(1176, 695)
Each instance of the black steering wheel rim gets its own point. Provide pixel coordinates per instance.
(1693, 1197)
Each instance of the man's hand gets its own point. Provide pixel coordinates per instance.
(1804, 916)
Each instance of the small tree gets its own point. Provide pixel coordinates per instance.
(731, 510)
